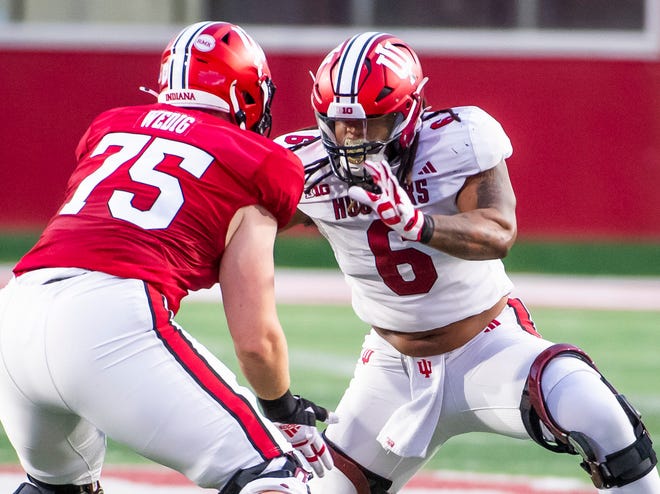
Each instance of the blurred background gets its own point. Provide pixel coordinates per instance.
(575, 83)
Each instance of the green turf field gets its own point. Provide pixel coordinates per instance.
(324, 340)
(633, 258)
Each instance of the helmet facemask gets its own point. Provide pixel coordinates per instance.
(349, 142)
(263, 124)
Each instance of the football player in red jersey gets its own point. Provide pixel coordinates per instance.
(419, 209)
(165, 198)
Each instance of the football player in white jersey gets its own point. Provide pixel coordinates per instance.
(419, 210)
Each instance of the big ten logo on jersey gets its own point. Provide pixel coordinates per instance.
(317, 191)
(167, 120)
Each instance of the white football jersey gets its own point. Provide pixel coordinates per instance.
(400, 284)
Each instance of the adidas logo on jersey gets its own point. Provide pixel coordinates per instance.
(427, 169)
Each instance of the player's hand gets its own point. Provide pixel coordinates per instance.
(308, 441)
(296, 417)
(393, 204)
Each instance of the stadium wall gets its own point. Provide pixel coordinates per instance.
(585, 129)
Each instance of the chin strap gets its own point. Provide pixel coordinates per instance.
(148, 90)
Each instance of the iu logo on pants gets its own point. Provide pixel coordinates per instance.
(425, 367)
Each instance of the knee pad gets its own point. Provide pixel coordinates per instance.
(37, 487)
(283, 474)
(619, 468)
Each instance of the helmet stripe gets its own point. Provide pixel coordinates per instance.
(350, 63)
(181, 49)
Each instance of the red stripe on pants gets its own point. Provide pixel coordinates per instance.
(198, 368)
(523, 316)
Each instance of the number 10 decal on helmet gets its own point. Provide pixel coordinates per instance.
(367, 97)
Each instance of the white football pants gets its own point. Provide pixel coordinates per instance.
(476, 388)
(92, 355)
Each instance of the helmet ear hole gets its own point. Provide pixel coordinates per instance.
(384, 93)
(247, 97)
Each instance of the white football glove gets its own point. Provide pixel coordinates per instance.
(393, 204)
(296, 418)
(308, 440)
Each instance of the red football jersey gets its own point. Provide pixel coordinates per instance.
(153, 194)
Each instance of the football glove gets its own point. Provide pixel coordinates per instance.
(296, 418)
(392, 204)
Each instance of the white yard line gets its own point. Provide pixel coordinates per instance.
(327, 286)
(593, 292)
(590, 292)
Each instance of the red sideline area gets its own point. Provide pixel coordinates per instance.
(123, 479)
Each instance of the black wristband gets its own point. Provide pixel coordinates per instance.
(279, 408)
(427, 229)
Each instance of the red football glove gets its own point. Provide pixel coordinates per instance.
(393, 204)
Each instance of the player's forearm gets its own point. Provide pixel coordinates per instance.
(473, 235)
(266, 369)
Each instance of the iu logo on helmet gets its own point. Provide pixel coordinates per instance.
(396, 60)
(259, 58)
(425, 367)
(366, 355)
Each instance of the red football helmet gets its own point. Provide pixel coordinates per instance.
(218, 66)
(367, 94)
